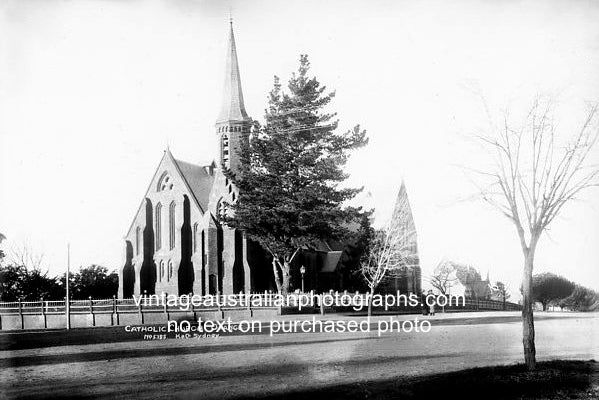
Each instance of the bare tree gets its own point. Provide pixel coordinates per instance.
(444, 277)
(531, 179)
(23, 255)
(393, 250)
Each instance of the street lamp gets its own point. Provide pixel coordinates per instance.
(303, 271)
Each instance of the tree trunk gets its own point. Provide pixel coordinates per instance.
(370, 301)
(286, 270)
(528, 326)
(275, 270)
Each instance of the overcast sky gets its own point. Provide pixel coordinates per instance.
(91, 93)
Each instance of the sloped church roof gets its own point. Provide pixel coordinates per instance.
(199, 179)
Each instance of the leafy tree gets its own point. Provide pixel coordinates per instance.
(38, 285)
(581, 299)
(291, 172)
(11, 278)
(23, 278)
(2, 255)
(350, 262)
(93, 281)
(467, 274)
(19, 283)
(501, 291)
(548, 287)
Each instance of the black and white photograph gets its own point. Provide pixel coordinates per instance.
(267, 199)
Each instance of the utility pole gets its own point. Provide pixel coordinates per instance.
(68, 299)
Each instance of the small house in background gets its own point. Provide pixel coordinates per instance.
(468, 283)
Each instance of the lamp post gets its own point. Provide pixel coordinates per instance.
(303, 271)
(67, 303)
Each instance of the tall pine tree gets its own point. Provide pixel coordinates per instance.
(292, 167)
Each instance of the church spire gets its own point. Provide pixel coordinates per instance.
(233, 109)
(233, 124)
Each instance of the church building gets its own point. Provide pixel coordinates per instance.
(176, 243)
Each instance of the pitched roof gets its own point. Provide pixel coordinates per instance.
(331, 260)
(232, 108)
(199, 179)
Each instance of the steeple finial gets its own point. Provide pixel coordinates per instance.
(232, 108)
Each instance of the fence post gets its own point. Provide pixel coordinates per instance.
(193, 310)
(43, 313)
(115, 312)
(21, 314)
(141, 313)
(91, 311)
(165, 306)
(67, 311)
(220, 311)
(321, 303)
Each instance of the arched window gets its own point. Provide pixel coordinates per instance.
(221, 209)
(171, 225)
(164, 183)
(225, 150)
(170, 270)
(195, 237)
(158, 226)
(161, 271)
(137, 240)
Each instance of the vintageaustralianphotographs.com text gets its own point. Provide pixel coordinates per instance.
(357, 301)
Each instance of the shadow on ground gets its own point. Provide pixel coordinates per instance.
(551, 380)
(107, 355)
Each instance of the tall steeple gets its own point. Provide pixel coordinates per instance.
(233, 123)
(232, 109)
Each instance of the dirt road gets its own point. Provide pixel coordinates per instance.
(237, 366)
